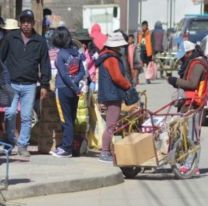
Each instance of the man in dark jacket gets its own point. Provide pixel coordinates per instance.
(25, 54)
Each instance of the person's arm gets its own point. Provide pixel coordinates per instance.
(60, 64)
(80, 74)
(4, 49)
(45, 67)
(113, 67)
(193, 81)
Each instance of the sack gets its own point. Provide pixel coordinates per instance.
(6, 95)
(131, 96)
(151, 71)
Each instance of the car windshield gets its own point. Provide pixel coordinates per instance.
(198, 25)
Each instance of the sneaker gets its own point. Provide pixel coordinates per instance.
(59, 152)
(197, 171)
(22, 151)
(148, 81)
(106, 157)
(183, 169)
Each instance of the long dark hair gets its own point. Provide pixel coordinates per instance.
(61, 37)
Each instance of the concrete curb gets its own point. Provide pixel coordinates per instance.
(62, 186)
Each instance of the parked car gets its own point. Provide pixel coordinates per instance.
(192, 27)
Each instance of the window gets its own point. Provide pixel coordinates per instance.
(199, 25)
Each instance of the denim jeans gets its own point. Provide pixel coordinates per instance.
(25, 95)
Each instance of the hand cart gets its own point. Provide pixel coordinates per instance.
(179, 147)
(167, 63)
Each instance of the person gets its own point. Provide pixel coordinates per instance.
(193, 81)
(70, 73)
(134, 60)
(25, 54)
(111, 88)
(7, 26)
(145, 44)
(159, 38)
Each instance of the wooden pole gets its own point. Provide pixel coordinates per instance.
(37, 7)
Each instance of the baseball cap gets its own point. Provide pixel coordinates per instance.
(27, 13)
(185, 46)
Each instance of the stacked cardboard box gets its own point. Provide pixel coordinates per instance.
(135, 149)
(48, 129)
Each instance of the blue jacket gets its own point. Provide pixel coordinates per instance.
(108, 91)
(63, 79)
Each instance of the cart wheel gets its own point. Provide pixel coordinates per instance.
(181, 157)
(130, 172)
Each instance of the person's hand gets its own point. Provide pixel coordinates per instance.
(79, 94)
(43, 93)
(172, 81)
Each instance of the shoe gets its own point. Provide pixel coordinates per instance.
(106, 157)
(197, 171)
(22, 151)
(148, 81)
(59, 152)
(183, 169)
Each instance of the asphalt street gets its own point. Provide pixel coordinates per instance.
(158, 189)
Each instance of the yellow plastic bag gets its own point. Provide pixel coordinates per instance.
(97, 125)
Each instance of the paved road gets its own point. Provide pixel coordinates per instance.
(159, 189)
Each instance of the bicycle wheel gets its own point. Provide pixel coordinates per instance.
(183, 156)
(130, 172)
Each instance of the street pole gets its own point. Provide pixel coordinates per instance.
(127, 26)
(140, 12)
(171, 12)
(174, 12)
(167, 13)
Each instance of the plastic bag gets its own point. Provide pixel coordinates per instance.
(151, 71)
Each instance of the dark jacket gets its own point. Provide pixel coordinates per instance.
(23, 61)
(63, 79)
(4, 75)
(110, 87)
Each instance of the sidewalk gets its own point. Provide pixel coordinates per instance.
(45, 174)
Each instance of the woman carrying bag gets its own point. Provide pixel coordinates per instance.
(112, 87)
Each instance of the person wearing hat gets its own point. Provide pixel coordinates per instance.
(112, 85)
(10, 24)
(193, 81)
(25, 53)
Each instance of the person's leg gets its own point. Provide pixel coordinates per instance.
(66, 106)
(10, 116)
(27, 99)
(112, 116)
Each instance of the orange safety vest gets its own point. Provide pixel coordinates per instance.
(198, 96)
(148, 42)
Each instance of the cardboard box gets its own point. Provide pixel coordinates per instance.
(134, 149)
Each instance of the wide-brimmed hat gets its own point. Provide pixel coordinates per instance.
(10, 24)
(184, 47)
(115, 39)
